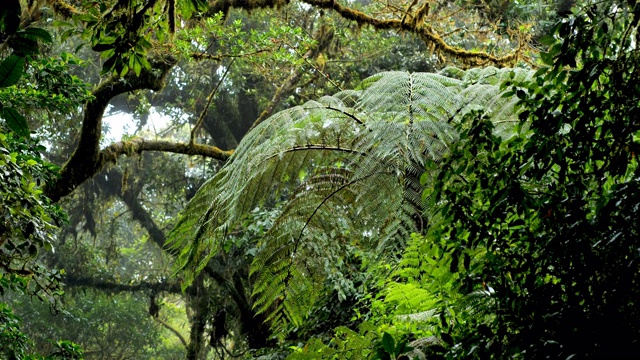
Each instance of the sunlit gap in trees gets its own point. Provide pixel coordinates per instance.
(122, 125)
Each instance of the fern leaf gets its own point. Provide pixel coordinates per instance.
(363, 152)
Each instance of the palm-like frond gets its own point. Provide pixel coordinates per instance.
(347, 168)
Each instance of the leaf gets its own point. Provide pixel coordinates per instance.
(109, 64)
(11, 70)
(33, 250)
(547, 58)
(23, 46)
(447, 338)
(388, 343)
(15, 121)
(548, 40)
(35, 34)
(105, 43)
(455, 258)
(137, 66)
(466, 261)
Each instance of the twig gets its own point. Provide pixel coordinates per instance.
(192, 139)
(306, 59)
(170, 328)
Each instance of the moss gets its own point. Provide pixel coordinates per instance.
(424, 31)
(63, 8)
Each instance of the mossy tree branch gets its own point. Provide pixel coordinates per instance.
(138, 145)
(86, 159)
(414, 23)
(73, 280)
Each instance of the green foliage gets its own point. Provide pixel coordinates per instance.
(25, 45)
(28, 219)
(104, 325)
(14, 344)
(11, 70)
(347, 167)
(122, 33)
(48, 92)
(346, 344)
(554, 206)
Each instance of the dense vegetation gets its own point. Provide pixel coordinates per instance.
(319, 179)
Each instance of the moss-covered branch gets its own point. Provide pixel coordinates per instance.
(73, 280)
(86, 159)
(138, 145)
(173, 330)
(414, 23)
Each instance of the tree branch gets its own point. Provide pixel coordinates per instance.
(192, 138)
(72, 280)
(63, 8)
(85, 162)
(416, 26)
(138, 212)
(323, 39)
(127, 147)
(173, 330)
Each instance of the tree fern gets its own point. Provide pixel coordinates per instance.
(346, 168)
(422, 288)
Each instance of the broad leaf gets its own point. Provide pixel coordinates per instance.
(388, 343)
(11, 70)
(16, 122)
(35, 34)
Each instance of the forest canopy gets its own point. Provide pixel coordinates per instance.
(217, 179)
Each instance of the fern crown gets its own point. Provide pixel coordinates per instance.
(345, 172)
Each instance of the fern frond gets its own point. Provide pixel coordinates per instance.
(347, 168)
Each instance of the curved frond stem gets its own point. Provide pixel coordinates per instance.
(317, 147)
(345, 113)
(315, 211)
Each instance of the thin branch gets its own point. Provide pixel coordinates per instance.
(286, 86)
(192, 138)
(173, 330)
(306, 59)
(205, 56)
(289, 84)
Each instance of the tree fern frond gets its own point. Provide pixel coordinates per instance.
(347, 168)
(409, 298)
